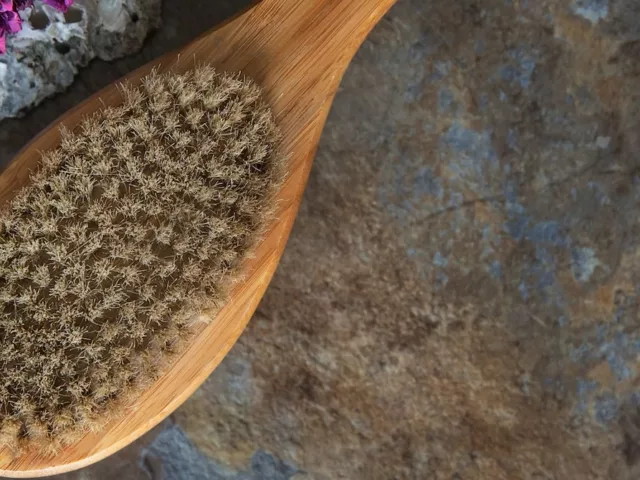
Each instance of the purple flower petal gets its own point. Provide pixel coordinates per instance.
(3, 43)
(10, 22)
(62, 5)
(6, 5)
(22, 4)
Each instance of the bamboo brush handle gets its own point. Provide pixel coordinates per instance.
(297, 50)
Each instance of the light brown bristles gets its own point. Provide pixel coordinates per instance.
(136, 224)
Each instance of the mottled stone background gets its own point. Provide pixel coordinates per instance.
(459, 297)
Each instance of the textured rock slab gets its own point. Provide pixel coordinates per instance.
(459, 298)
(45, 56)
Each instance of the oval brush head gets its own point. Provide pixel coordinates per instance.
(129, 230)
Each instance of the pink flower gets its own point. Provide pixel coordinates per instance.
(10, 22)
(62, 5)
(6, 5)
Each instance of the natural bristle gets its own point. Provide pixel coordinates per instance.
(131, 228)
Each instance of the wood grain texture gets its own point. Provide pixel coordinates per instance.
(297, 51)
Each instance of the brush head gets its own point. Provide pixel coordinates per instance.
(129, 230)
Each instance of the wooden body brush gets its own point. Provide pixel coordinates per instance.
(297, 52)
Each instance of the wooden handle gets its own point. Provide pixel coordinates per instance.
(313, 36)
(298, 47)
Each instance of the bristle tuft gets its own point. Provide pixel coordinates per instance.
(135, 225)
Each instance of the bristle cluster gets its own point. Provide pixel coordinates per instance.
(129, 229)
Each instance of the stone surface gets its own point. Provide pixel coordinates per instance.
(459, 298)
(172, 456)
(45, 56)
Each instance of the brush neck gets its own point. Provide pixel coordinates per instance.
(317, 35)
(297, 47)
